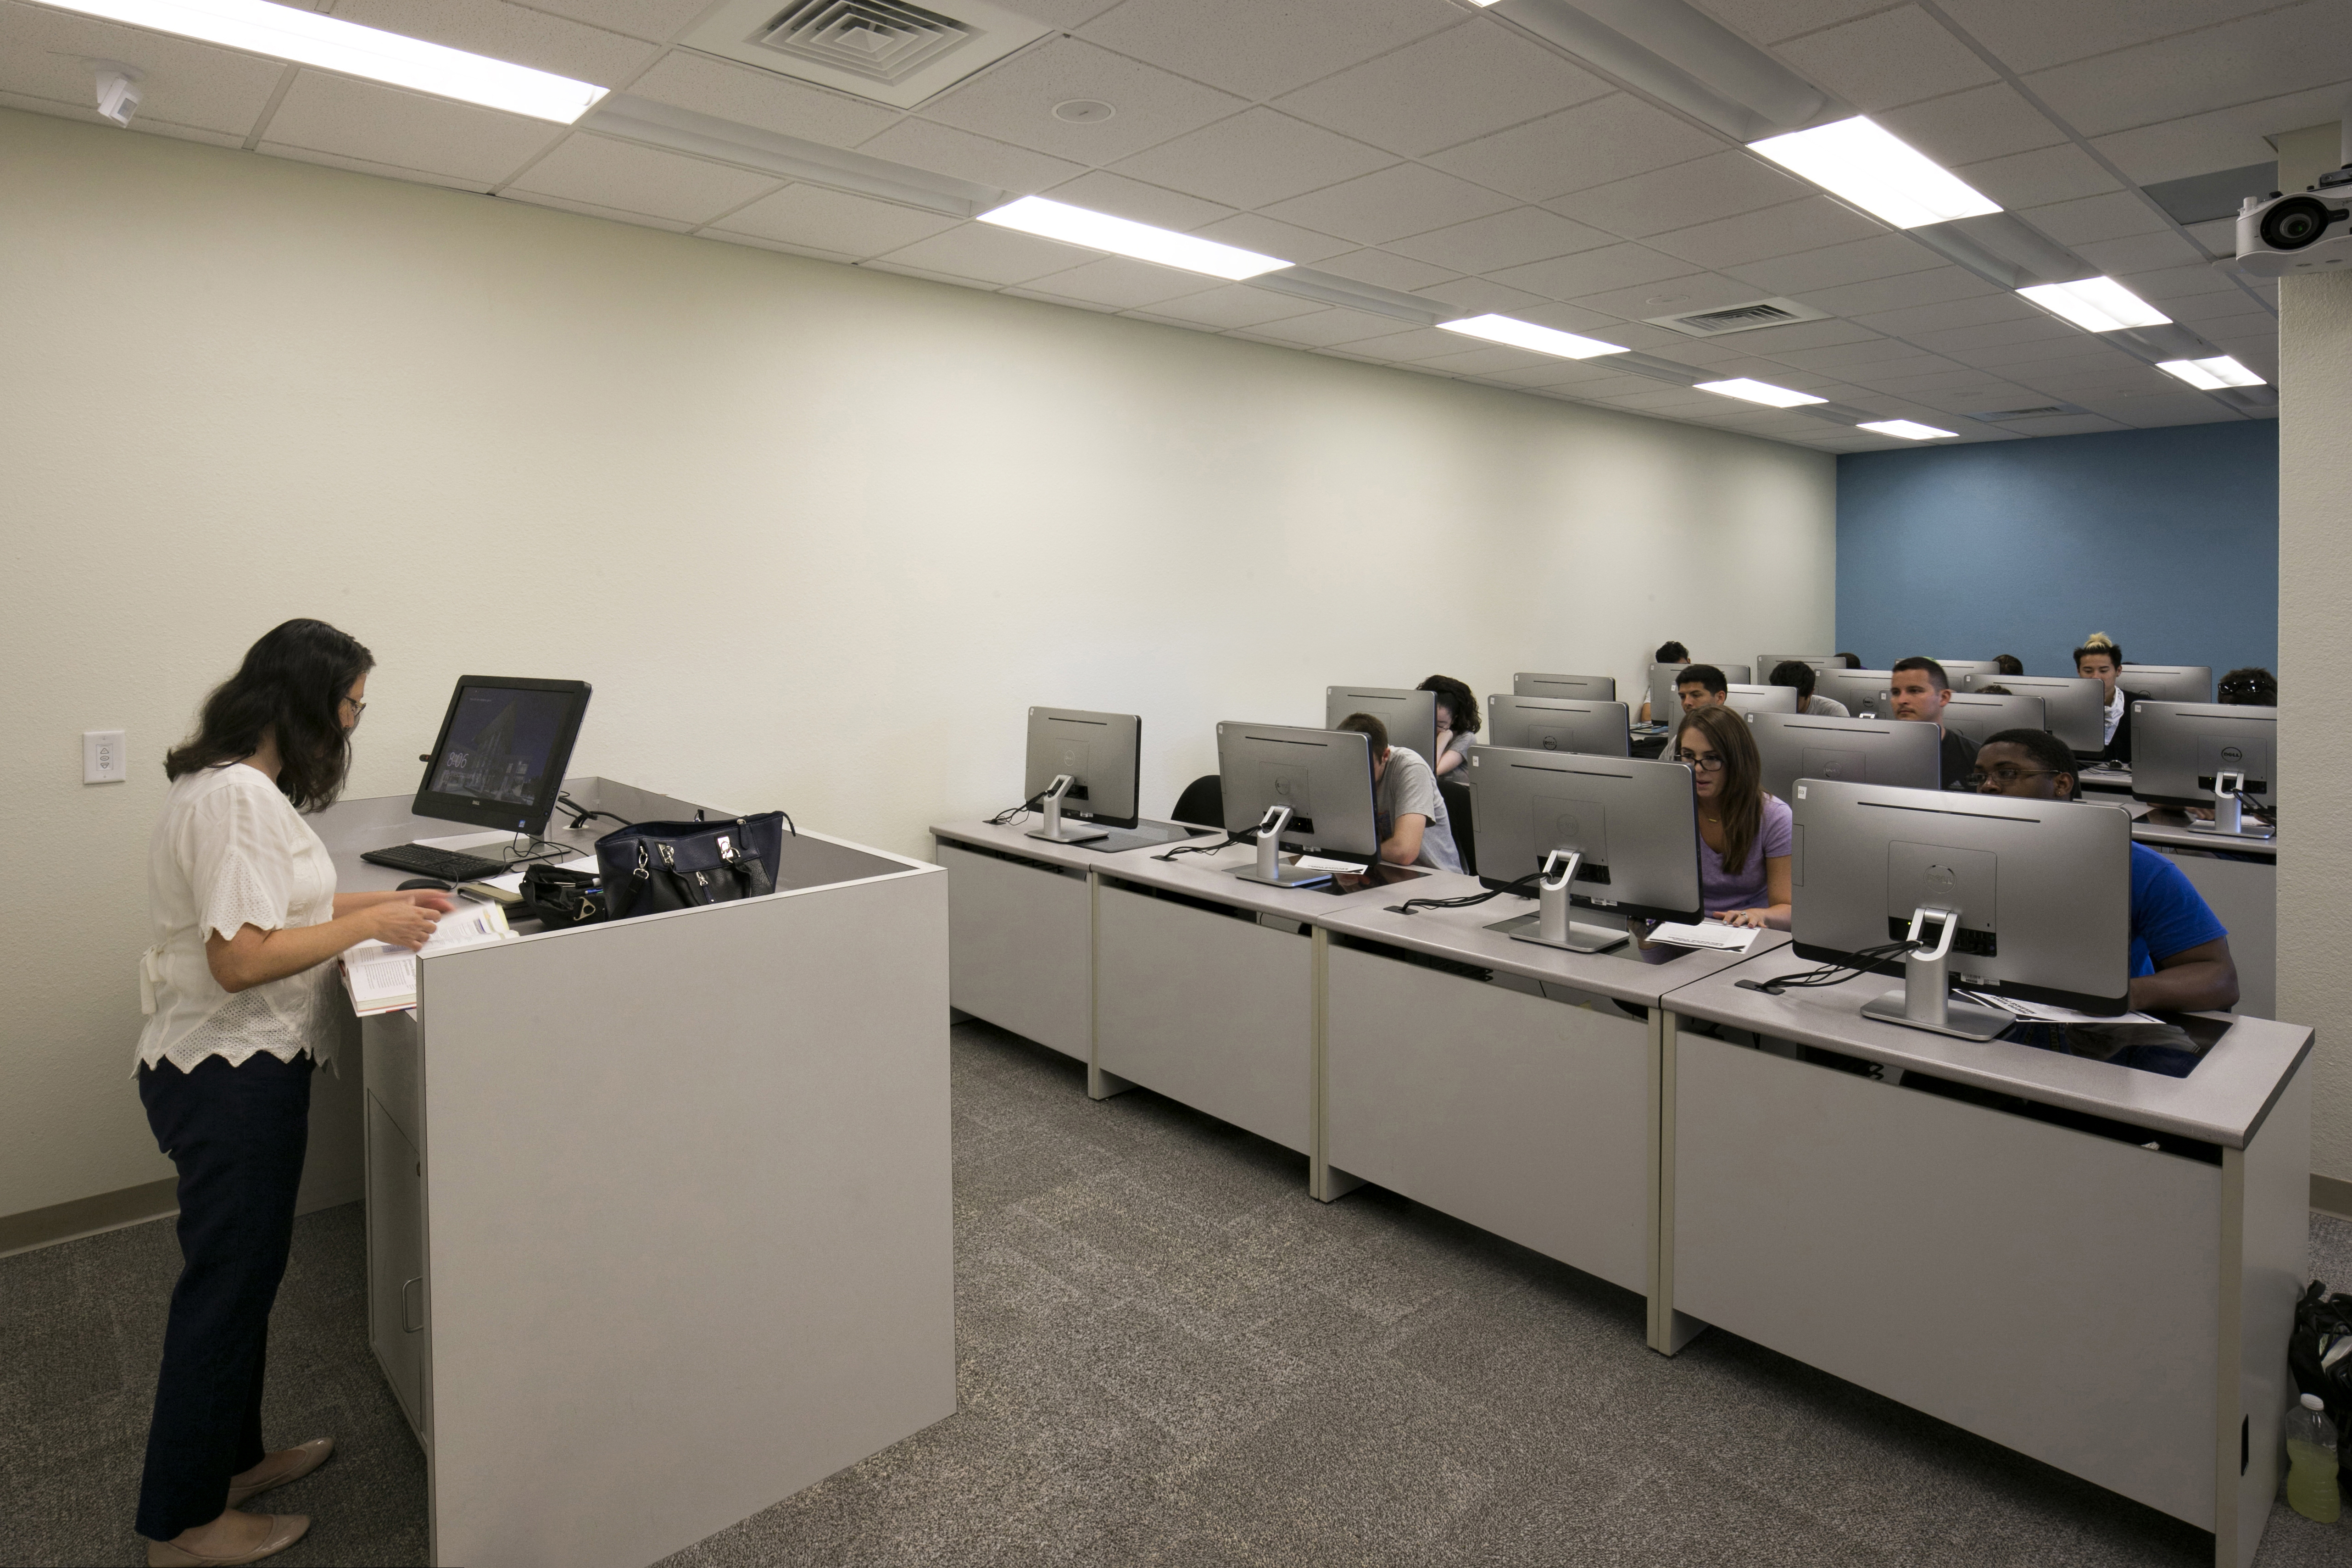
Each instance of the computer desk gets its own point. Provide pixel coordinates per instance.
(659, 1215)
(2118, 1312)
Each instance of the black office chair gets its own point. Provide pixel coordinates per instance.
(1203, 803)
(1457, 812)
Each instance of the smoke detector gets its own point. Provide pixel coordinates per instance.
(888, 51)
(118, 90)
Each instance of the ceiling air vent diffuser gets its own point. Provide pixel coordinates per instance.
(2039, 411)
(887, 50)
(1745, 317)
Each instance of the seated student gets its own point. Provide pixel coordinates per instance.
(1667, 653)
(1744, 833)
(1407, 810)
(1798, 674)
(1853, 660)
(1919, 690)
(2179, 953)
(2251, 686)
(2009, 664)
(1457, 722)
(2099, 659)
(1700, 686)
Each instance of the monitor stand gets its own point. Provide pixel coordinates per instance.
(2230, 811)
(1053, 832)
(1926, 1001)
(1550, 925)
(1268, 867)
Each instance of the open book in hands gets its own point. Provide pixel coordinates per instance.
(382, 978)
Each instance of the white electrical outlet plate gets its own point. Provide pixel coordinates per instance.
(102, 757)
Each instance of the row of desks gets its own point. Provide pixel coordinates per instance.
(2006, 1254)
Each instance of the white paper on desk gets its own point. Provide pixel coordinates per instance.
(382, 978)
(1317, 863)
(1712, 933)
(2043, 1012)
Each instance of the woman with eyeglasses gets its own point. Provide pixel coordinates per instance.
(239, 992)
(1745, 834)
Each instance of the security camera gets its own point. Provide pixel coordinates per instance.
(2308, 232)
(118, 91)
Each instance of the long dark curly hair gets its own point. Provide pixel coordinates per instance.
(292, 684)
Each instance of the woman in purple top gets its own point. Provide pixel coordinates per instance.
(1744, 833)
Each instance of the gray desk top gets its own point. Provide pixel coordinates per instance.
(2222, 1102)
(1015, 841)
(1209, 877)
(1461, 936)
(2171, 830)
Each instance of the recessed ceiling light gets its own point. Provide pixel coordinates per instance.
(1759, 392)
(1875, 170)
(331, 44)
(2211, 375)
(1124, 237)
(1528, 335)
(1908, 428)
(2095, 304)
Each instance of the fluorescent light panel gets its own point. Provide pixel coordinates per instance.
(2095, 305)
(1528, 335)
(1909, 430)
(2211, 375)
(307, 38)
(1123, 236)
(1877, 170)
(1759, 392)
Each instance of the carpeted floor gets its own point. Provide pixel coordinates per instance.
(1167, 1354)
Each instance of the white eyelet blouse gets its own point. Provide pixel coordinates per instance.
(229, 852)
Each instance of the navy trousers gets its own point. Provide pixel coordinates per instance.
(237, 1136)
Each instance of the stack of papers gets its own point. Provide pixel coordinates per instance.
(1711, 933)
(381, 979)
(2042, 1012)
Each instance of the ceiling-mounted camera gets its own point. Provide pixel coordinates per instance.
(2308, 232)
(118, 90)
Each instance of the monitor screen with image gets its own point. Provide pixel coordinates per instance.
(504, 744)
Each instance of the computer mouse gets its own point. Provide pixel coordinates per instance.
(435, 883)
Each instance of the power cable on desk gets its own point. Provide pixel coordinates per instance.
(1829, 974)
(583, 815)
(1246, 836)
(1013, 814)
(1414, 905)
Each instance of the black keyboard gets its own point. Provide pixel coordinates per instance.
(449, 865)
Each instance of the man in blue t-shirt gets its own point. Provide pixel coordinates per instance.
(2179, 953)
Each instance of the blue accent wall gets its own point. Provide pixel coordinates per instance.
(2166, 540)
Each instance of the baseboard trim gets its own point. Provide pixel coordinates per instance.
(2331, 1195)
(89, 1216)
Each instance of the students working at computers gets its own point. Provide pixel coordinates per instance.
(1457, 722)
(1744, 833)
(1798, 674)
(2250, 687)
(2179, 953)
(1700, 686)
(2009, 663)
(1667, 653)
(1409, 814)
(1920, 691)
(2099, 659)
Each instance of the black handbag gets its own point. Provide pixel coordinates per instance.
(649, 867)
(558, 898)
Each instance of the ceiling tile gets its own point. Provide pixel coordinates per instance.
(42, 54)
(149, 126)
(402, 129)
(1300, 247)
(756, 242)
(2139, 253)
(1972, 126)
(884, 264)
(1013, 101)
(2037, 178)
(1104, 192)
(1260, 49)
(2044, 328)
(1120, 283)
(1254, 158)
(1885, 61)
(1881, 255)
(1470, 80)
(2080, 351)
(833, 221)
(1323, 327)
(1890, 293)
(658, 20)
(2088, 218)
(1383, 269)
(1479, 296)
(2284, 50)
(1769, 21)
(1235, 304)
(1773, 340)
(594, 210)
(1684, 296)
(1800, 225)
(610, 174)
(959, 154)
(503, 32)
(1403, 199)
(1592, 144)
(1847, 358)
(1935, 381)
(1415, 343)
(2217, 237)
(1909, 320)
(2165, 285)
(763, 100)
(1070, 302)
(1592, 271)
(1062, 14)
(1503, 239)
(2030, 35)
(986, 253)
(2229, 138)
(1720, 185)
(1485, 362)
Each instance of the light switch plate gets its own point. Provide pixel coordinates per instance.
(102, 761)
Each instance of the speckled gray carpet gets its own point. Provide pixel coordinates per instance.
(1167, 1354)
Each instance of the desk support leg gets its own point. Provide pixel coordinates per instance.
(1101, 1085)
(1669, 1330)
(1325, 1182)
(2229, 1403)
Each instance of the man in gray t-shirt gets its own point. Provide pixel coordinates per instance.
(1409, 810)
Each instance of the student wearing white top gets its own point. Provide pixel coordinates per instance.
(2099, 659)
(1798, 674)
(236, 987)
(1457, 726)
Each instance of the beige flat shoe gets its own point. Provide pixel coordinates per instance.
(285, 1530)
(298, 1462)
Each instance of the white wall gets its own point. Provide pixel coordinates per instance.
(817, 535)
(2315, 984)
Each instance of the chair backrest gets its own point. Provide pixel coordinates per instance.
(1203, 803)
(1466, 831)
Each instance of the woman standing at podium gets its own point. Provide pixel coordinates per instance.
(237, 990)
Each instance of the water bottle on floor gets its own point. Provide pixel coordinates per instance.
(2311, 1460)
